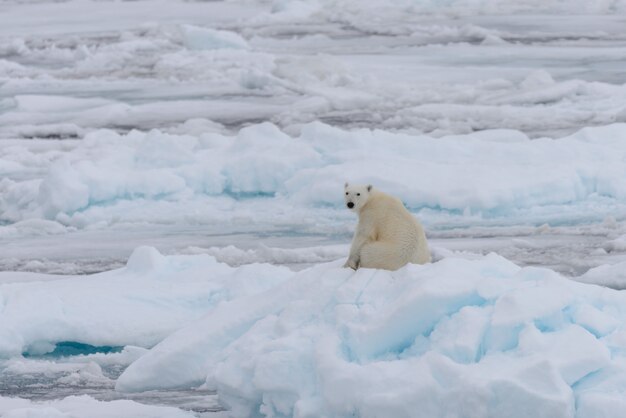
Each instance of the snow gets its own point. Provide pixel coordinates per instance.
(611, 275)
(171, 216)
(352, 342)
(485, 337)
(234, 256)
(202, 38)
(110, 178)
(40, 311)
(617, 244)
(76, 406)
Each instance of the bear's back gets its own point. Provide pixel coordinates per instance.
(392, 220)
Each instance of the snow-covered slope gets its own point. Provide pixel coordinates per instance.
(138, 305)
(457, 337)
(264, 174)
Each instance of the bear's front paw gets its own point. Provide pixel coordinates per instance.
(350, 263)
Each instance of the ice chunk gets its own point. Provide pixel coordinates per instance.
(597, 322)
(457, 337)
(145, 259)
(574, 351)
(604, 405)
(395, 328)
(137, 305)
(461, 336)
(198, 38)
(62, 190)
(525, 302)
(225, 324)
(606, 275)
(537, 79)
(617, 244)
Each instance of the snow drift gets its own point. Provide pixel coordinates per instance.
(140, 304)
(158, 177)
(454, 338)
(457, 337)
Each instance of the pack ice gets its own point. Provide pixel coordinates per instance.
(156, 177)
(456, 338)
(85, 406)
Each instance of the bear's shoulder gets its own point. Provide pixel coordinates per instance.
(378, 196)
(379, 200)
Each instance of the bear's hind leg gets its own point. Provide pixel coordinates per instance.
(381, 255)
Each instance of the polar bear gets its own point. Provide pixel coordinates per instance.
(387, 235)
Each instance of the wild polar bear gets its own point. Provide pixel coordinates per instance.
(387, 236)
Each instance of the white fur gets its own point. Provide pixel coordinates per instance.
(387, 236)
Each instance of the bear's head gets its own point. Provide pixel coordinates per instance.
(356, 195)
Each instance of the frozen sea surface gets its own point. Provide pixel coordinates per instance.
(223, 131)
(51, 378)
(440, 70)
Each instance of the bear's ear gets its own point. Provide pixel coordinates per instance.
(369, 187)
(345, 186)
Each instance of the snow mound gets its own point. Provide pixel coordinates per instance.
(610, 275)
(453, 338)
(145, 259)
(164, 178)
(139, 304)
(198, 38)
(458, 337)
(617, 244)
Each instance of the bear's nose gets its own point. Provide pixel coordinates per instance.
(350, 205)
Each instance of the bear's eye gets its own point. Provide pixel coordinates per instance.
(346, 193)
(358, 194)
